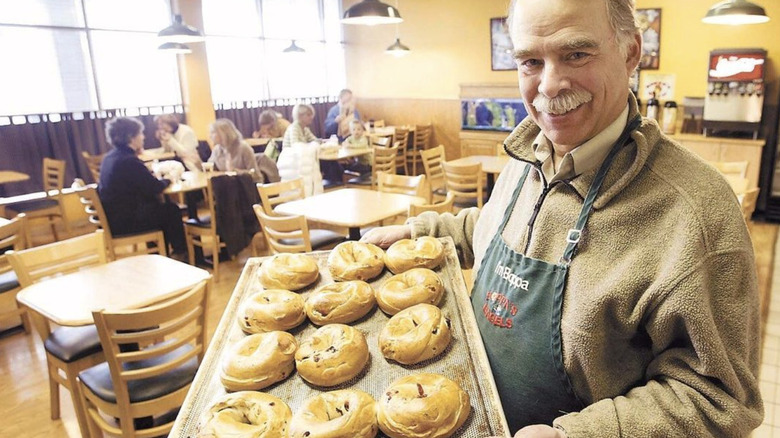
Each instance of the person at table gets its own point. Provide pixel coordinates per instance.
(299, 131)
(180, 139)
(341, 115)
(272, 125)
(230, 151)
(615, 288)
(130, 194)
(358, 140)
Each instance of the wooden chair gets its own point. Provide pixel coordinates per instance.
(432, 159)
(401, 139)
(439, 207)
(748, 204)
(384, 161)
(284, 233)
(93, 164)
(69, 350)
(150, 382)
(731, 168)
(422, 138)
(125, 245)
(465, 182)
(403, 184)
(379, 123)
(739, 184)
(50, 208)
(500, 151)
(274, 194)
(202, 232)
(12, 236)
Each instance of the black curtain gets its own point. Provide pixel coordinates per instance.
(244, 114)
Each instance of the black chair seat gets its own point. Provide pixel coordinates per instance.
(362, 180)
(319, 238)
(331, 184)
(70, 344)
(8, 281)
(33, 205)
(202, 222)
(98, 378)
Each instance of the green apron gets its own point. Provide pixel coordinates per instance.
(518, 303)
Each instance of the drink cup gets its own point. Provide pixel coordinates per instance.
(208, 167)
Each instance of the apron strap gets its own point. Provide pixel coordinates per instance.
(515, 194)
(574, 234)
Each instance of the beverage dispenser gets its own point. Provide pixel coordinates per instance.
(735, 90)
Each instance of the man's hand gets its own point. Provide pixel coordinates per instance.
(386, 236)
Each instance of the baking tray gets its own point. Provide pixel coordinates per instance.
(464, 361)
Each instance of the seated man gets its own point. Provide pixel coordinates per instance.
(340, 115)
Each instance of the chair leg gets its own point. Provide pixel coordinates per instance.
(190, 249)
(54, 392)
(215, 257)
(72, 375)
(25, 317)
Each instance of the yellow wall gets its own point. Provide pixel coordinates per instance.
(194, 75)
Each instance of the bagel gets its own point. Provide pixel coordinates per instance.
(415, 286)
(247, 414)
(332, 355)
(348, 413)
(258, 361)
(422, 406)
(340, 303)
(355, 261)
(415, 334)
(405, 254)
(289, 271)
(270, 310)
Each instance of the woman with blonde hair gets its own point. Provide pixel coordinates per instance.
(230, 151)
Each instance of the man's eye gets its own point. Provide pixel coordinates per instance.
(529, 63)
(576, 56)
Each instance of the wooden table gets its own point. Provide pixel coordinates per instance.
(387, 131)
(155, 154)
(351, 208)
(492, 165)
(128, 283)
(9, 176)
(190, 182)
(343, 153)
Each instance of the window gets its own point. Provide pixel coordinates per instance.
(84, 55)
(245, 47)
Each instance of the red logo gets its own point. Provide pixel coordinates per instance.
(498, 310)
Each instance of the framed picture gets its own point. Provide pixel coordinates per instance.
(650, 25)
(500, 46)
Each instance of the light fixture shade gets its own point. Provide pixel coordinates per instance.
(294, 48)
(178, 32)
(397, 49)
(176, 48)
(371, 12)
(735, 12)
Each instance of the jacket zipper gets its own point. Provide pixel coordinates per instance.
(538, 206)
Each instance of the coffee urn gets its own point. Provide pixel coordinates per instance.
(735, 91)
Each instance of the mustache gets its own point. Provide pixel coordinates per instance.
(561, 103)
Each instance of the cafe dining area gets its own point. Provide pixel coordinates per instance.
(320, 218)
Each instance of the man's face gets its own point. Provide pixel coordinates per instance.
(573, 79)
(345, 99)
(137, 143)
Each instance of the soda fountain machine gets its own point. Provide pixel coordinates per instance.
(735, 91)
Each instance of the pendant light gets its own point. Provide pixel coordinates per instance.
(178, 32)
(397, 49)
(735, 12)
(294, 48)
(371, 12)
(175, 48)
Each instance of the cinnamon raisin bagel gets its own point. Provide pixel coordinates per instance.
(356, 261)
(340, 303)
(415, 286)
(333, 354)
(415, 334)
(347, 413)
(405, 254)
(259, 360)
(247, 414)
(422, 406)
(289, 271)
(270, 310)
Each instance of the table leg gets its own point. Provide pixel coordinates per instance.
(354, 233)
(491, 181)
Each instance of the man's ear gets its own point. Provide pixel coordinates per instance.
(634, 53)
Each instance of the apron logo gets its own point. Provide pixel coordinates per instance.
(495, 305)
(510, 277)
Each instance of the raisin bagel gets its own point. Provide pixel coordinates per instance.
(247, 414)
(259, 360)
(356, 261)
(415, 286)
(289, 271)
(340, 303)
(415, 334)
(405, 254)
(270, 310)
(348, 413)
(332, 355)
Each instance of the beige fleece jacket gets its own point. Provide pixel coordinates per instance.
(660, 320)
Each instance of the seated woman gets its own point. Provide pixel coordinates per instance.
(130, 194)
(180, 139)
(230, 151)
(298, 131)
(272, 125)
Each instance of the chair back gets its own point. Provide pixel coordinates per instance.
(171, 334)
(739, 184)
(93, 164)
(500, 151)
(432, 159)
(731, 168)
(35, 264)
(274, 194)
(13, 237)
(403, 184)
(464, 181)
(401, 140)
(422, 136)
(748, 203)
(439, 207)
(53, 174)
(284, 233)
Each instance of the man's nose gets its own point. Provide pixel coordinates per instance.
(554, 79)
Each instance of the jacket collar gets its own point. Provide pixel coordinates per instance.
(625, 167)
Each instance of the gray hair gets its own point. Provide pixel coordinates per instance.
(300, 109)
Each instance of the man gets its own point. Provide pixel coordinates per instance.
(615, 286)
(340, 115)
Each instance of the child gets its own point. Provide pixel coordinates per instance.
(358, 140)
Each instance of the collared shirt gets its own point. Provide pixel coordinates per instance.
(584, 157)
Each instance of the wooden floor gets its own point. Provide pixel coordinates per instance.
(24, 407)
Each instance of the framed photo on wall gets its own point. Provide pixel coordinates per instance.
(501, 46)
(649, 21)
